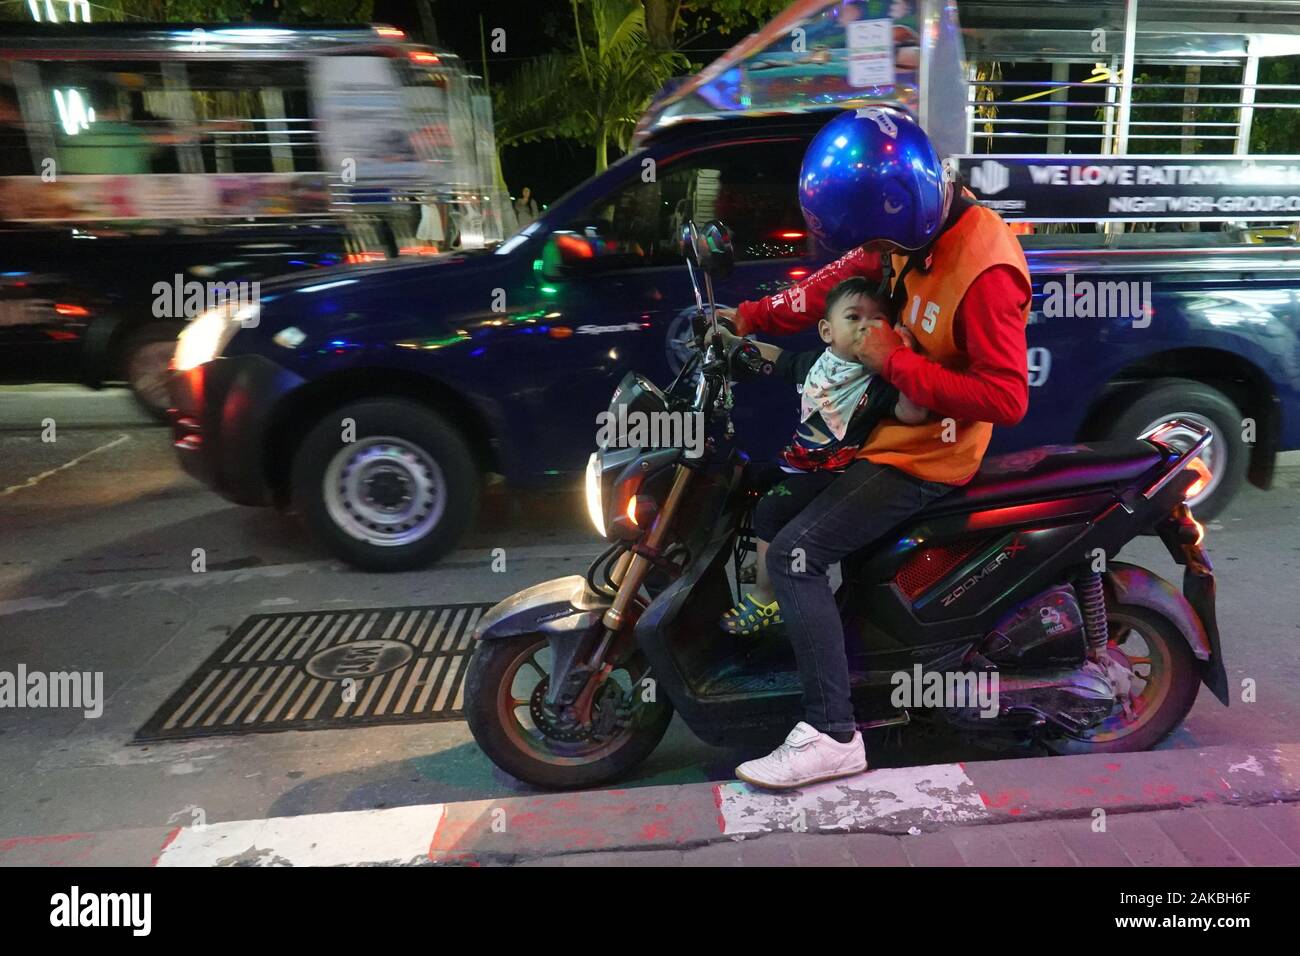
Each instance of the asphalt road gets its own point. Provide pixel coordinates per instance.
(97, 532)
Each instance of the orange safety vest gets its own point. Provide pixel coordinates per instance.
(978, 241)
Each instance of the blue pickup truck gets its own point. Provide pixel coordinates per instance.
(374, 399)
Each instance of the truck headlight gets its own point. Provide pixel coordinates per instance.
(207, 335)
(595, 507)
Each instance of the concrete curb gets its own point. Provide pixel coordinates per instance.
(893, 801)
(519, 829)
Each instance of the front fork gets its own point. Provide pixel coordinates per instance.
(628, 574)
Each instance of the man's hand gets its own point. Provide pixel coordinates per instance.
(725, 318)
(879, 342)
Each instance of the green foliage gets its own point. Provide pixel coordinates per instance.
(1277, 130)
(731, 15)
(1272, 130)
(597, 87)
(594, 92)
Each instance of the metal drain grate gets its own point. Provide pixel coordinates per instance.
(326, 670)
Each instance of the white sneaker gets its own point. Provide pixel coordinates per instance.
(807, 756)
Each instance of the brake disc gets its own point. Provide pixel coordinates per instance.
(554, 726)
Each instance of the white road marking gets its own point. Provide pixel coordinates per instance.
(899, 797)
(33, 481)
(397, 835)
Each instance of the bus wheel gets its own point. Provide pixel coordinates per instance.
(146, 357)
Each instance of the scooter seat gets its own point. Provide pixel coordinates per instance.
(1051, 469)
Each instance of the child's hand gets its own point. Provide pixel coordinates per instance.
(908, 412)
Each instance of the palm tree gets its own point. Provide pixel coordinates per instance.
(593, 94)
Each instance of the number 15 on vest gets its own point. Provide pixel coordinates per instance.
(931, 317)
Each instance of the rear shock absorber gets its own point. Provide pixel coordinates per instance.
(1092, 599)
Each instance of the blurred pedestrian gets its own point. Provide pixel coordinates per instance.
(525, 207)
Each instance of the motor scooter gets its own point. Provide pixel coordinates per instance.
(1009, 581)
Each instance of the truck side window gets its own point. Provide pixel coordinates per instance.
(102, 117)
(249, 117)
(751, 187)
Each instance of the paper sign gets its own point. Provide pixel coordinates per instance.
(871, 53)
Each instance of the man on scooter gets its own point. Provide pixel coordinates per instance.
(872, 182)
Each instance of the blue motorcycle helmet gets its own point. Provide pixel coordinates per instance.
(872, 174)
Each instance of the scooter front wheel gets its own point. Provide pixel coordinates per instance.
(505, 691)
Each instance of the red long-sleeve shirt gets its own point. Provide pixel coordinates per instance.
(989, 328)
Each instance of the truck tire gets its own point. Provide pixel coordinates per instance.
(144, 361)
(395, 497)
(1169, 398)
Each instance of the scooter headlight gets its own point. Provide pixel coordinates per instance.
(595, 506)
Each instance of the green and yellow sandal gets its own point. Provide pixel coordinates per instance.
(750, 616)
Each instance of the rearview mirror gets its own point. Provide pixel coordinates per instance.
(570, 252)
(720, 256)
(709, 247)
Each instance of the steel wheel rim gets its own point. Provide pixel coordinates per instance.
(384, 491)
(548, 750)
(1152, 664)
(1214, 455)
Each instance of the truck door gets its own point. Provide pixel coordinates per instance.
(631, 309)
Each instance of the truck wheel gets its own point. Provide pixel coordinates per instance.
(1227, 455)
(397, 496)
(145, 359)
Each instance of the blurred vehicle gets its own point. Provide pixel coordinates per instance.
(373, 399)
(146, 169)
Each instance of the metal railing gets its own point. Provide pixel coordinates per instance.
(1136, 49)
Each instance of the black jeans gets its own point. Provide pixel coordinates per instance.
(786, 498)
(857, 508)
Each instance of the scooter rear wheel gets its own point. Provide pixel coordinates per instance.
(504, 690)
(1157, 653)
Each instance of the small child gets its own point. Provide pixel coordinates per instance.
(840, 406)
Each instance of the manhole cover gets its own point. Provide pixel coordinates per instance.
(359, 659)
(305, 671)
